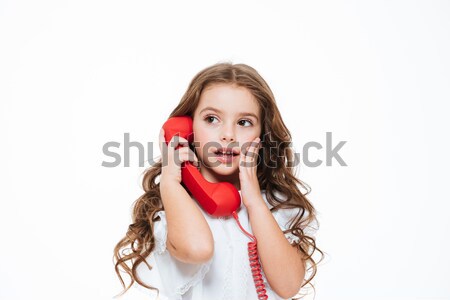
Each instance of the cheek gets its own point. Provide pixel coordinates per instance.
(200, 140)
(247, 139)
(197, 134)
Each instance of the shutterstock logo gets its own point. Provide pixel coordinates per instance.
(117, 153)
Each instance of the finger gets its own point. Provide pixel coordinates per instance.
(162, 141)
(252, 152)
(185, 154)
(245, 159)
(256, 142)
(176, 141)
(193, 157)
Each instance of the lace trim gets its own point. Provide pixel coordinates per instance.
(199, 276)
(161, 233)
(144, 290)
(292, 238)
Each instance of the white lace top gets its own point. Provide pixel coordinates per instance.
(226, 276)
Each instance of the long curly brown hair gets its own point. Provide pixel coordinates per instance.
(276, 174)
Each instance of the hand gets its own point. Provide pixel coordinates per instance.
(172, 158)
(250, 189)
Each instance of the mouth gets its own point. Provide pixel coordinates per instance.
(226, 155)
(226, 152)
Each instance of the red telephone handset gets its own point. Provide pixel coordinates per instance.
(217, 199)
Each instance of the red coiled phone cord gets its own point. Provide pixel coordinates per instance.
(254, 262)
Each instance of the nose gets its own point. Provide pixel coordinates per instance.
(227, 133)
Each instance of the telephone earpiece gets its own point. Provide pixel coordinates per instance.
(217, 199)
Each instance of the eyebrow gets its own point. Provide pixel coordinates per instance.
(219, 111)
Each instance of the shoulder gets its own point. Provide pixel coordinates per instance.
(281, 214)
(286, 216)
(278, 196)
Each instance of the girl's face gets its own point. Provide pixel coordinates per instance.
(226, 119)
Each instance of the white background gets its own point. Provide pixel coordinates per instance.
(76, 75)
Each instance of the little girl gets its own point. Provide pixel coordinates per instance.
(176, 249)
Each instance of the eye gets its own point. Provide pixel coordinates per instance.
(209, 117)
(248, 121)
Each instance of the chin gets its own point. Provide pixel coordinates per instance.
(223, 170)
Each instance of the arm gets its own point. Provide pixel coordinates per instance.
(189, 238)
(282, 262)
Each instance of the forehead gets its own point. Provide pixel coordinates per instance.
(228, 98)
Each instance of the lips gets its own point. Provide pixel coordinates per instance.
(226, 155)
(226, 152)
